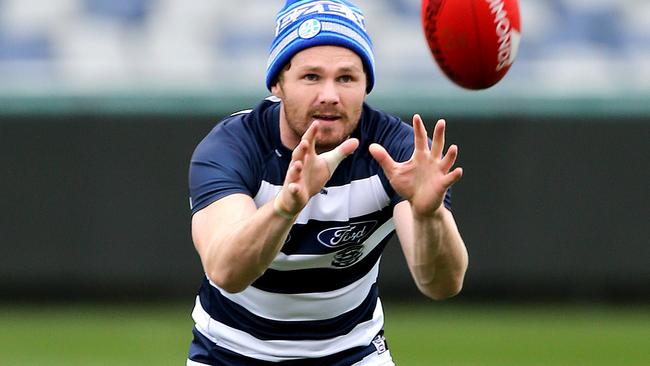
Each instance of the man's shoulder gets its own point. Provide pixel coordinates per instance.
(259, 111)
(244, 133)
(249, 121)
(245, 125)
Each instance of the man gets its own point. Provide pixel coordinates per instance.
(294, 201)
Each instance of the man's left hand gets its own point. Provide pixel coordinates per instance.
(426, 176)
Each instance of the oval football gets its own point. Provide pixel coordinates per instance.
(474, 42)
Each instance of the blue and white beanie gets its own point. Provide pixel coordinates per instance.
(307, 23)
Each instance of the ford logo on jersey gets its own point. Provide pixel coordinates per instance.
(343, 235)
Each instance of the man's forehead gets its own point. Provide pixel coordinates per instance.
(321, 56)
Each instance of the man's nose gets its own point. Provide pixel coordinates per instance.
(329, 93)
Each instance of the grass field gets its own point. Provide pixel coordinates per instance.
(429, 334)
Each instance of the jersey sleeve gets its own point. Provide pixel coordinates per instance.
(220, 166)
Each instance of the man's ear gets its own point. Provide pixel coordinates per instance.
(276, 90)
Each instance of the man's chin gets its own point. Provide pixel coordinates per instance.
(323, 147)
(329, 138)
(327, 144)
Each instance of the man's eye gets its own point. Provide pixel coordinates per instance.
(345, 78)
(311, 77)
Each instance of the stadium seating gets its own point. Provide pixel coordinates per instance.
(582, 46)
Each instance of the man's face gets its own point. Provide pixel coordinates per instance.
(325, 84)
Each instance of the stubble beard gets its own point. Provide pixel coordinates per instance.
(299, 125)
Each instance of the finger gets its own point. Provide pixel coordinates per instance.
(308, 143)
(382, 157)
(310, 134)
(293, 173)
(348, 146)
(420, 133)
(300, 151)
(293, 189)
(334, 157)
(453, 177)
(438, 142)
(450, 158)
(292, 181)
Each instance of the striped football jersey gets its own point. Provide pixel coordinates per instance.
(318, 300)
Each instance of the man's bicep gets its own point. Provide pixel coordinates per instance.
(219, 218)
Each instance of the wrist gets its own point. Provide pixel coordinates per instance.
(280, 211)
(433, 215)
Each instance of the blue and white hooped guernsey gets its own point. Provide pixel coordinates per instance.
(317, 304)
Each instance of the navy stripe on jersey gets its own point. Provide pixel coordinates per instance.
(322, 237)
(204, 351)
(307, 306)
(276, 350)
(229, 313)
(318, 280)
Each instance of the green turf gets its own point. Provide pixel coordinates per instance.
(94, 335)
(516, 335)
(434, 334)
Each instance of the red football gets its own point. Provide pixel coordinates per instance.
(473, 41)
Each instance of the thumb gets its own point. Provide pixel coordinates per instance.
(381, 155)
(334, 157)
(348, 146)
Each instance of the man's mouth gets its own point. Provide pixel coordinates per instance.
(326, 117)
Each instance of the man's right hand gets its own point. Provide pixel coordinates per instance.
(308, 172)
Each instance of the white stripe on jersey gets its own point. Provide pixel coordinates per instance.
(194, 363)
(376, 359)
(283, 262)
(360, 197)
(307, 306)
(373, 359)
(245, 111)
(283, 350)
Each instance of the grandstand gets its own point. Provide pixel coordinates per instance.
(569, 47)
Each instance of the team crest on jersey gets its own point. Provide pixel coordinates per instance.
(348, 256)
(340, 236)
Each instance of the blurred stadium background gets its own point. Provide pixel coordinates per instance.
(103, 101)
